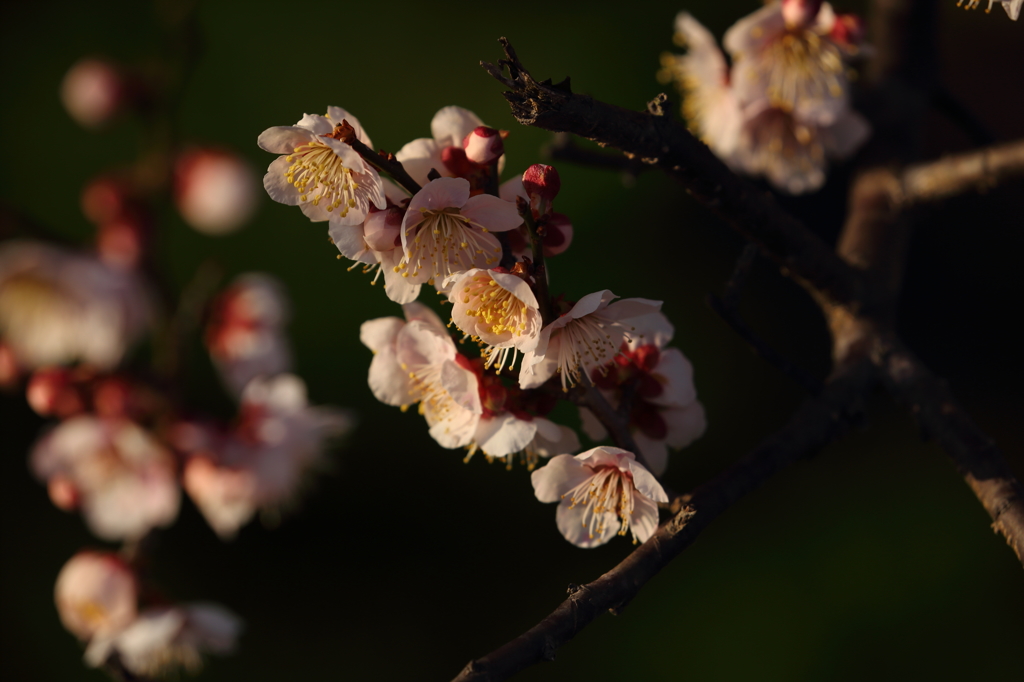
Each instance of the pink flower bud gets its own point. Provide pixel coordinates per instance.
(382, 229)
(454, 159)
(543, 181)
(215, 191)
(848, 29)
(104, 199)
(10, 373)
(52, 392)
(541, 184)
(112, 397)
(120, 242)
(63, 493)
(93, 92)
(484, 145)
(800, 13)
(95, 593)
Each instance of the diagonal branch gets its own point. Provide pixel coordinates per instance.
(951, 176)
(976, 457)
(659, 141)
(815, 424)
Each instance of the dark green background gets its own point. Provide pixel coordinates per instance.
(873, 561)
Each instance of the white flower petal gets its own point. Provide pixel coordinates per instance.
(559, 476)
(451, 124)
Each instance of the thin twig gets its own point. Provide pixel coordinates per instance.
(383, 161)
(955, 110)
(540, 272)
(563, 147)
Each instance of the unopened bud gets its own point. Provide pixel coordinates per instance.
(63, 493)
(120, 242)
(52, 392)
(483, 146)
(10, 373)
(112, 397)
(215, 191)
(541, 184)
(800, 13)
(382, 229)
(93, 92)
(454, 159)
(104, 199)
(848, 29)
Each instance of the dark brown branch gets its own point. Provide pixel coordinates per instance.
(955, 175)
(659, 141)
(387, 163)
(816, 423)
(975, 455)
(564, 148)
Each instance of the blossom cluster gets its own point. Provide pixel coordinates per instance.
(783, 107)
(446, 221)
(123, 439)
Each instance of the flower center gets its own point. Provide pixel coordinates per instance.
(435, 402)
(585, 343)
(801, 67)
(320, 176)
(496, 307)
(446, 242)
(606, 492)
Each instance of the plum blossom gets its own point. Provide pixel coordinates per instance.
(1012, 7)
(792, 154)
(215, 190)
(444, 151)
(442, 381)
(320, 173)
(710, 106)
(785, 56)
(555, 229)
(95, 594)
(665, 412)
(756, 134)
(122, 479)
(165, 638)
(445, 231)
(245, 334)
(582, 339)
(261, 462)
(58, 306)
(602, 492)
(389, 381)
(377, 244)
(499, 310)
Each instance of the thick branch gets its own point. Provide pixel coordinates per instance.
(976, 457)
(659, 141)
(814, 425)
(955, 175)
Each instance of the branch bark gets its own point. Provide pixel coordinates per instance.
(952, 176)
(659, 141)
(815, 424)
(976, 457)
